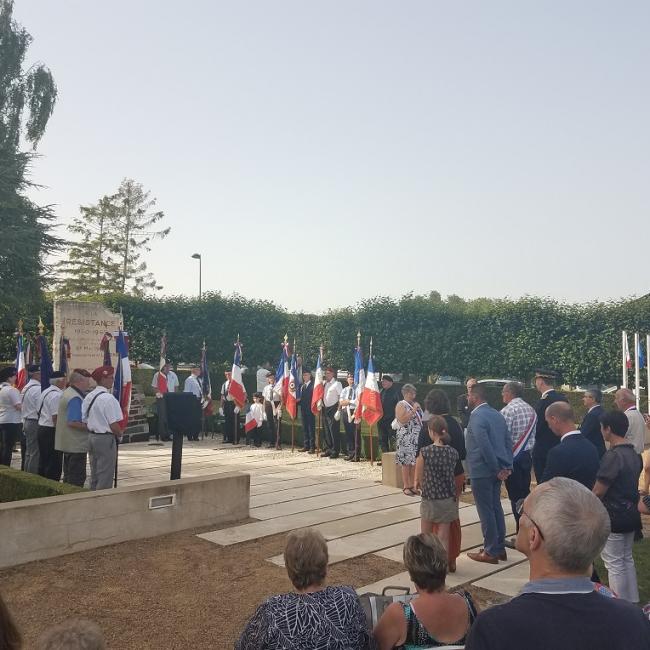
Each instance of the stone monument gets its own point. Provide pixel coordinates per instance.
(84, 325)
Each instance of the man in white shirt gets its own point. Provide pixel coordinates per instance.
(347, 406)
(30, 396)
(172, 378)
(272, 399)
(102, 414)
(193, 383)
(161, 411)
(51, 461)
(260, 376)
(230, 412)
(625, 401)
(10, 420)
(332, 426)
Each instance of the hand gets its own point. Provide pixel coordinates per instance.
(221, 412)
(503, 474)
(236, 409)
(159, 395)
(319, 404)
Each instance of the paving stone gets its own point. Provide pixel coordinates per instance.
(299, 493)
(508, 582)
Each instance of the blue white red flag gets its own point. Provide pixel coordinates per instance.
(319, 388)
(641, 355)
(21, 364)
(370, 400)
(292, 392)
(359, 376)
(122, 383)
(236, 385)
(251, 422)
(162, 377)
(282, 374)
(64, 355)
(46, 362)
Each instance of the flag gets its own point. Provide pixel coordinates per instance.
(319, 389)
(46, 362)
(282, 374)
(162, 378)
(292, 392)
(204, 379)
(64, 354)
(21, 364)
(251, 423)
(122, 381)
(370, 400)
(641, 355)
(236, 385)
(359, 377)
(628, 360)
(104, 346)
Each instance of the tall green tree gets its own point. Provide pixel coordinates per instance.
(27, 98)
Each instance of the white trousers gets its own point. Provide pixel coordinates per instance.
(617, 556)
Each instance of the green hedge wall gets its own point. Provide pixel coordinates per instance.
(414, 335)
(16, 486)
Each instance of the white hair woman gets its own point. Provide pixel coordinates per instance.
(408, 414)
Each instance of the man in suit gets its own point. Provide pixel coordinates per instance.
(489, 462)
(575, 457)
(590, 427)
(462, 404)
(308, 418)
(389, 398)
(545, 439)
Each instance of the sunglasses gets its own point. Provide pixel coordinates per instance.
(519, 508)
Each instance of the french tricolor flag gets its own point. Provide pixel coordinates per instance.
(282, 373)
(251, 422)
(21, 367)
(359, 377)
(162, 378)
(236, 386)
(122, 383)
(370, 400)
(292, 393)
(319, 389)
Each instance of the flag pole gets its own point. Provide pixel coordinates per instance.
(372, 460)
(647, 367)
(637, 372)
(624, 357)
(293, 419)
(320, 410)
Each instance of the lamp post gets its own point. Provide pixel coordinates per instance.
(197, 256)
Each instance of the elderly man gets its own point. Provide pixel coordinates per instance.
(575, 457)
(10, 420)
(462, 403)
(521, 420)
(625, 401)
(51, 460)
(563, 528)
(103, 415)
(489, 461)
(331, 395)
(71, 434)
(545, 439)
(590, 427)
(193, 383)
(30, 395)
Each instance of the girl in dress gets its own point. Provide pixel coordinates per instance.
(434, 476)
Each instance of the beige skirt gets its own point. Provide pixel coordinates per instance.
(440, 511)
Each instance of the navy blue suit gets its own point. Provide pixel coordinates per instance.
(308, 418)
(590, 429)
(575, 457)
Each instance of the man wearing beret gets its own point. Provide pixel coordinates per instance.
(102, 414)
(545, 439)
(71, 434)
(51, 460)
(29, 396)
(10, 421)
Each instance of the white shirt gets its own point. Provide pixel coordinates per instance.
(172, 381)
(224, 391)
(636, 432)
(48, 405)
(257, 413)
(271, 394)
(333, 390)
(261, 379)
(30, 395)
(193, 385)
(570, 433)
(350, 394)
(105, 410)
(9, 400)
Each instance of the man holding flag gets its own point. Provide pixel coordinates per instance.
(233, 396)
(308, 419)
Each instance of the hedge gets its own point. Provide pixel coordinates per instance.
(17, 486)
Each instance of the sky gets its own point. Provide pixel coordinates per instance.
(320, 153)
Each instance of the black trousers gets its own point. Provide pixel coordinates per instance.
(518, 483)
(331, 429)
(23, 449)
(308, 428)
(229, 432)
(270, 423)
(51, 460)
(74, 468)
(9, 434)
(350, 433)
(386, 432)
(539, 461)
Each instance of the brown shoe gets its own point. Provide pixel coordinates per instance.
(482, 556)
(503, 556)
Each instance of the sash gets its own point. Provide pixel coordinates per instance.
(523, 441)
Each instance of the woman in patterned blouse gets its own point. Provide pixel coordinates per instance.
(315, 617)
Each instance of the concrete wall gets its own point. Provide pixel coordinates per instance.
(35, 529)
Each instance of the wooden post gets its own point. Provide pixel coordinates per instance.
(293, 433)
(318, 436)
(372, 461)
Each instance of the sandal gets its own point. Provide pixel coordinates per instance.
(410, 492)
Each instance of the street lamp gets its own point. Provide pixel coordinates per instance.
(197, 256)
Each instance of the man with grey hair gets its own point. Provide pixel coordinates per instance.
(564, 526)
(625, 401)
(590, 427)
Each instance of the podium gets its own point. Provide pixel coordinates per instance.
(183, 418)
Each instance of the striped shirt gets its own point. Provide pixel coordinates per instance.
(520, 417)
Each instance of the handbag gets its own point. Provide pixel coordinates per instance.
(624, 516)
(375, 604)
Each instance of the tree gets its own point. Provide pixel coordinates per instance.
(27, 99)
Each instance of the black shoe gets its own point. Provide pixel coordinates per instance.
(327, 452)
(334, 455)
(311, 451)
(354, 459)
(304, 449)
(510, 543)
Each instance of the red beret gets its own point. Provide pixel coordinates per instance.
(102, 372)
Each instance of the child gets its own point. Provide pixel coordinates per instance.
(257, 413)
(434, 476)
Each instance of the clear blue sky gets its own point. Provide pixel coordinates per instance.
(318, 153)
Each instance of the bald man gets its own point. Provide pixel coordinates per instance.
(575, 457)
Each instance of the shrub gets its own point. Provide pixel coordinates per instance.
(16, 486)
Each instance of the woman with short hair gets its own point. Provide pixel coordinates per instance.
(409, 418)
(435, 617)
(314, 616)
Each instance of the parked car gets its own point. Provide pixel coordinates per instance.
(495, 383)
(447, 380)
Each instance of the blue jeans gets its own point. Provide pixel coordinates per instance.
(487, 497)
